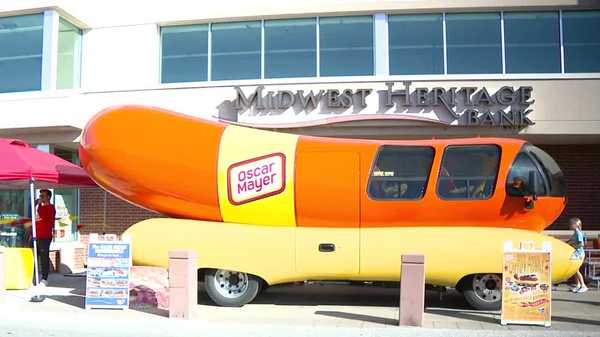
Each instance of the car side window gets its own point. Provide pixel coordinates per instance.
(468, 172)
(400, 172)
(521, 173)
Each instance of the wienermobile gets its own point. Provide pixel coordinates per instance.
(264, 208)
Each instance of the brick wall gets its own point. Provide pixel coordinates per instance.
(119, 214)
(581, 164)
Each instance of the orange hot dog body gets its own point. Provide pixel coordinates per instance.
(169, 162)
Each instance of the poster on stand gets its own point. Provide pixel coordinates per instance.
(526, 284)
(108, 272)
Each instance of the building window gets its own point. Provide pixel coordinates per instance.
(290, 48)
(66, 202)
(532, 42)
(581, 40)
(416, 44)
(69, 56)
(21, 53)
(346, 46)
(184, 53)
(400, 172)
(236, 50)
(12, 208)
(474, 43)
(468, 172)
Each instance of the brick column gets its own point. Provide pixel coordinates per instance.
(412, 290)
(183, 284)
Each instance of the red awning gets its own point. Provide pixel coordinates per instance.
(20, 163)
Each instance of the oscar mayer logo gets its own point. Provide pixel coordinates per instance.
(256, 178)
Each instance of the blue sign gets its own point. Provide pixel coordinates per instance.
(108, 268)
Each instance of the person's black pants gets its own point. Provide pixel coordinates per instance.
(43, 251)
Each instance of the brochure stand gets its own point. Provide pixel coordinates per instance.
(527, 284)
(108, 272)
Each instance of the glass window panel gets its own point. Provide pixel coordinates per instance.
(65, 202)
(474, 43)
(290, 48)
(416, 44)
(520, 176)
(400, 172)
(553, 173)
(21, 53)
(468, 172)
(69, 56)
(184, 53)
(581, 38)
(12, 208)
(236, 50)
(532, 42)
(346, 46)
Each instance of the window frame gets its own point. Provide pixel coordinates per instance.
(376, 160)
(45, 67)
(78, 57)
(320, 45)
(443, 41)
(502, 48)
(495, 184)
(211, 48)
(161, 32)
(266, 50)
(504, 74)
(563, 45)
(506, 43)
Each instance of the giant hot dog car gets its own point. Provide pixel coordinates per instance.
(264, 208)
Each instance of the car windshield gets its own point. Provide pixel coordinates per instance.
(551, 170)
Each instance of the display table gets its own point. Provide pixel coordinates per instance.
(18, 268)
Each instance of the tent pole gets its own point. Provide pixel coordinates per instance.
(104, 214)
(35, 255)
(36, 297)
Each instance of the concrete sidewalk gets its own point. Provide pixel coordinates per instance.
(301, 310)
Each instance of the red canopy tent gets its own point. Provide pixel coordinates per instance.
(20, 164)
(22, 167)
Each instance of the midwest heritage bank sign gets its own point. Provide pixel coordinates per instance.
(471, 106)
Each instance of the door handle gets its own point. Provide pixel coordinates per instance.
(326, 247)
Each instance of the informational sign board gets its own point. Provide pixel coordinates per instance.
(527, 284)
(108, 272)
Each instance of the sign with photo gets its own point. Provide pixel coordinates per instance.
(108, 272)
(526, 285)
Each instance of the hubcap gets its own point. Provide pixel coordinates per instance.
(231, 284)
(488, 287)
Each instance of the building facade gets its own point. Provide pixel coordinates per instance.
(361, 69)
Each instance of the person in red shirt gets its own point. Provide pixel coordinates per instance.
(46, 214)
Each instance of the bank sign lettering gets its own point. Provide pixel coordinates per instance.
(505, 106)
(256, 178)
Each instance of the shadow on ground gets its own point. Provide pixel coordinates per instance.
(314, 294)
(357, 317)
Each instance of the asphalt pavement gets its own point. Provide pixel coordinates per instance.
(290, 310)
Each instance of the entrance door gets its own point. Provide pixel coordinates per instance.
(327, 214)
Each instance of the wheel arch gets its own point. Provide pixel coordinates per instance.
(203, 270)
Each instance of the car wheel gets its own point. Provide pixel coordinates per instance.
(483, 291)
(229, 288)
